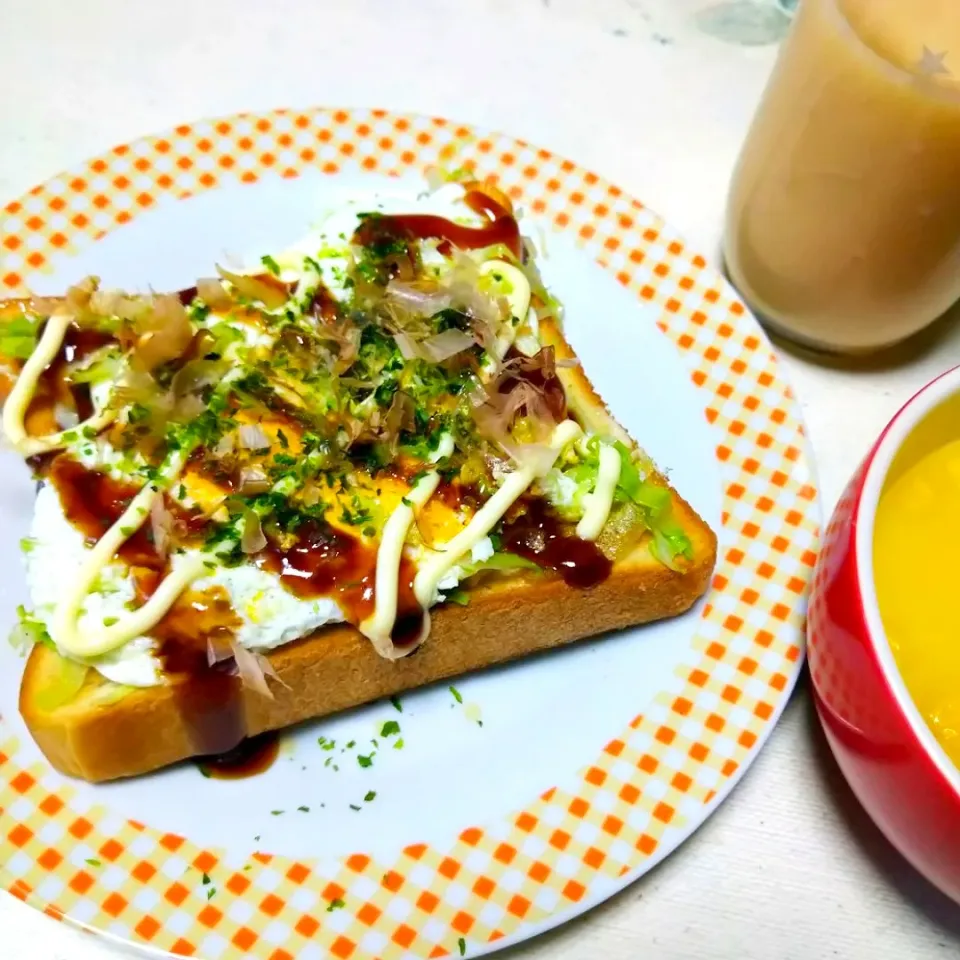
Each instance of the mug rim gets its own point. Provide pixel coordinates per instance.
(904, 422)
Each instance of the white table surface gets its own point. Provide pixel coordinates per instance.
(789, 868)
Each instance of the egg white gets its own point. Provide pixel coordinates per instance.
(269, 615)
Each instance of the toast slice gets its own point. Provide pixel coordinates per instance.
(98, 730)
(104, 731)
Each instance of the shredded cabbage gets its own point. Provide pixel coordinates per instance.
(500, 562)
(101, 367)
(18, 336)
(440, 175)
(224, 335)
(565, 486)
(565, 491)
(27, 631)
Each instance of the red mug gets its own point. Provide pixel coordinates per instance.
(895, 766)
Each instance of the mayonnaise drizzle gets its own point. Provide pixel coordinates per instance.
(64, 627)
(517, 296)
(437, 563)
(379, 625)
(597, 505)
(15, 409)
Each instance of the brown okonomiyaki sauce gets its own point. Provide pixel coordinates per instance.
(410, 618)
(325, 305)
(54, 388)
(208, 695)
(327, 562)
(534, 532)
(93, 501)
(249, 758)
(501, 227)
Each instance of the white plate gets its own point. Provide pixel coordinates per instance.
(591, 763)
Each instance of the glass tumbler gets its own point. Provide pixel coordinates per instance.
(843, 219)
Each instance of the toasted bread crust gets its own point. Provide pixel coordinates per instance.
(99, 736)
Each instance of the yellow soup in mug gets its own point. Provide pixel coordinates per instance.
(916, 562)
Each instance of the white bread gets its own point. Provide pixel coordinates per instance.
(103, 731)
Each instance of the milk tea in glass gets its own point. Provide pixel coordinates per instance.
(843, 220)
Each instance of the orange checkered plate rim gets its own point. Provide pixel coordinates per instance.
(655, 780)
